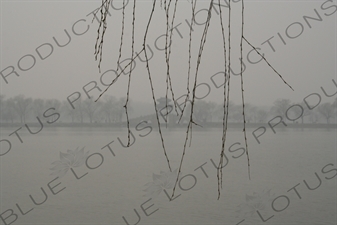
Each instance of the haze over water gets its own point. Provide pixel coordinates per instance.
(279, 165)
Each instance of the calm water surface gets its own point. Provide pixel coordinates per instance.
(293, 178)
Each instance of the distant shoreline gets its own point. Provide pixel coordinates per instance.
(204, 125)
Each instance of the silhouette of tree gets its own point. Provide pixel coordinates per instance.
(53, 103)
(68, 110)
(280, 107)
(219, 111)
(8, 112)
(108, 108)
(261, 116)
(78, 109)
(299, 110)
(38, 107)
(21, 105)
(334, 104)
(326, 110)
(2, 105)
(204, 111)
(251, 112)
(89, 108)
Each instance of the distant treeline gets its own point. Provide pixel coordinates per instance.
(110, 110)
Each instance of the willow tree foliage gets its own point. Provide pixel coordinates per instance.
(169, 9)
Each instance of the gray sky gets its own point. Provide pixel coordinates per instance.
(306, 62)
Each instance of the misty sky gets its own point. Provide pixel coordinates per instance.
(306, 62)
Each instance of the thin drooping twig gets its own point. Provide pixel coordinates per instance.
(169, 54)
(167, 9)
(130, 72)
(224, 120)
(122, 35)
(99, 9)
(151, 83)
(191, 122)
(118, 75)
(189, 58)
(103, 25)
(168, 45)
(267, 62)
(224, 135)
(242, 90)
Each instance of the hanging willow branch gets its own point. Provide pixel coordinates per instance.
(225, 106)
(167, 4)
(130, 72)
(151, 84)
(102, 25)
(191, 122)
(193, 5)
(262, 56)
(168, 53)
(242, 90)
(122, 36)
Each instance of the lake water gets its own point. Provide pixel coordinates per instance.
(293, 178)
